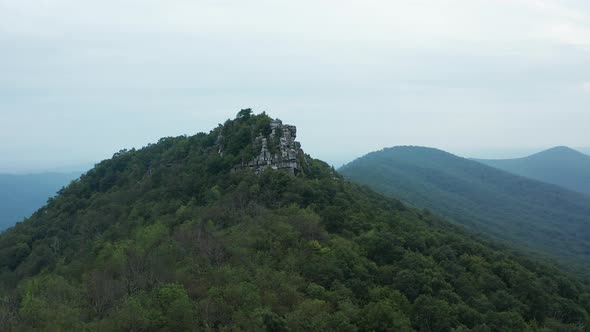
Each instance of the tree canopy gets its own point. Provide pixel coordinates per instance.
(545, 220)
(167, 238)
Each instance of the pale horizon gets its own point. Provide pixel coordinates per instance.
(81, 81)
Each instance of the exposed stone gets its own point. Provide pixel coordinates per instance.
(220, 144)
(287, 152)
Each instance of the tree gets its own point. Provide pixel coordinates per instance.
(431, 315)
(383, 316)
(244, 114)
(176, 307)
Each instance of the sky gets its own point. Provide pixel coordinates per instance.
(80, 80)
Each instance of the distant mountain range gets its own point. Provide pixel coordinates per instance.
(239, 230)
(21, 195)
(562, 166)
(539, 216)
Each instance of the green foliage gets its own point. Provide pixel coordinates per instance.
(432, 314)
(166, 238)
(539, 218)
(176, 308)
(21, 195)
(383, 316)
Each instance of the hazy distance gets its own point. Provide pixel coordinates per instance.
(81, 81)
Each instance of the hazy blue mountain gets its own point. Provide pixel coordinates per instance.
(21, 195)
(562, 166)
(183, 235)
(540, 216)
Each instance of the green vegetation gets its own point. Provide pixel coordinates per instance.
(167, 238)
(538, 216)
(561, 166)
(21, 195)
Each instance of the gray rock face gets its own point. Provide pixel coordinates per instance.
(278, 151)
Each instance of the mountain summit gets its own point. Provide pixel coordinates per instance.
(277, 146)
(560, 151)
(520, 211)
(238, 230)
(561, 166)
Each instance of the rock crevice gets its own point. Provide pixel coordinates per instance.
(278, 150)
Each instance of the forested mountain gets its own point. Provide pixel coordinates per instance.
(21, 195)
(560, 165)
(539, 216)
(195, 233)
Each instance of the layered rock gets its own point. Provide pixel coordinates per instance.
(278, 150)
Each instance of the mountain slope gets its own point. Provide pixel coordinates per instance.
(561, 166)
(539, 216)
(21, 195)
(195, 233)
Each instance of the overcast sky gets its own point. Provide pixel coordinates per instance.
(80, 80)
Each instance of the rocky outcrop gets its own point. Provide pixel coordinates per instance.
(278, 150)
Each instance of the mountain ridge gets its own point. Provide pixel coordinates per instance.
(508, 207)
(171, 237)
(561, 166)
(23, 194)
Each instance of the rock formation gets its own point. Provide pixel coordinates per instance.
(278, 150)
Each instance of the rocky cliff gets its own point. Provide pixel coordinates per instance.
(278, 150)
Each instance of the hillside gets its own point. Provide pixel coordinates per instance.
(561, 166)
(21, 195)
(238, 229)
(539, 216)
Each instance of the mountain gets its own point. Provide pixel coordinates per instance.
(21, 195)
(560, 165)
(239, 229)
(532, 214)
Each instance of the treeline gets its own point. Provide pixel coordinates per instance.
(544, 219)
(166, 238)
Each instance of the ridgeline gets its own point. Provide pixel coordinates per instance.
(238, 229)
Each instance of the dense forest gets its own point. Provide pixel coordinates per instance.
(561, 166)
(23, 194)
(539, 217)
(169, 238)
